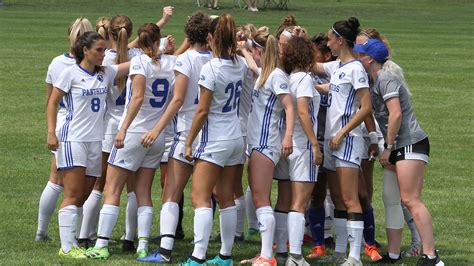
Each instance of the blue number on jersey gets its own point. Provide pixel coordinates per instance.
(95, 105)
(329, 100)
(160, 89)
(234, 95)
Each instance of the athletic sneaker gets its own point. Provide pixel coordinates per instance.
(371, 251)
(425, 261)
(387, 260)
(217, 260)
(128, 246)
(352, 262)
(414, 249)
(261, 261)
(336, 258)
(291, 261)
(142, 253)
(98, 253)
(191, 262)
(281, 258)
(42, 238)
(155, 257)
(317, 252)
(249, 261)
(74, 253)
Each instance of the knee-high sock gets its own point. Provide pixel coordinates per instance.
(202, 231)
(228, 224)
(80, 215)
(340, 230)
(252, 220)
(90, 212)
(296, 225)
(67, 217)
(354, 232)
(281, 231)
(107, 220)
(369, 226)
(240, 206)
(266, 220)
(169, 217)
(47, 204)
(144, 220)
(317, 217)
(391, 201)
(131, 217)
(329, 210)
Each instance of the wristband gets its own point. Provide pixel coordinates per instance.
(374, 138)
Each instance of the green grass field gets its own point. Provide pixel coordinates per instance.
(432, 41)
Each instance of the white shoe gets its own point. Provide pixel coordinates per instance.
(291, 261)
(350, 261)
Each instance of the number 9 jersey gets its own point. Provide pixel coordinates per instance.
(159, 84)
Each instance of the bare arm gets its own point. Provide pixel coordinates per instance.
(183, 47)
(322, 88)
(394, 122)
(51, 115)
(287, 143)
(318, 69)
(49, 90)
(167, 13)
(306, 124)
(122, 70)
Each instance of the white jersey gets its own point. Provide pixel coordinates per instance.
(224, 78)
(266, 110)
(115, 100)
(85, 102)
(343, 102)
(58, 64)
(159, 83)
(189, 64)
(245, 100)
(301, 85)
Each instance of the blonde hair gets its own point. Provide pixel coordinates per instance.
(248, 30)
(102, 26)
(121, 29)
(396, 70)
(77, 28)
(261, 36)
(270, 60)
(372, 33)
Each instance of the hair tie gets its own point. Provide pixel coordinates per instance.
(366, 34)
(287, 34)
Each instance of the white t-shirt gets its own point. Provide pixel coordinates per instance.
(245, 100)
(302, 85)
(266, 110)
(343, 102)
(85, 102)
(189, 64)
(158, 87)
(225, 79)
(115, 100)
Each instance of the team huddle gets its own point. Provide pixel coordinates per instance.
(311, 113)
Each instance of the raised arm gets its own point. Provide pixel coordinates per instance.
(167, 13)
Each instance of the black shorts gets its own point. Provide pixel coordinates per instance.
(416, 151)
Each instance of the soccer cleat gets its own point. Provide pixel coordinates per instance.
(292, 261)
(191, 262)
(142, 253)
(217, 260)
(261, 261)
(387, 260)
(307, 239)
(179, 234)
(249, 261)
(351, 262)
(317, 252)
(74, 253)
(128, 246)
(425, 261)
(336, 258)
(371, 251)
(42, 238)
(329, 243)
(98, 253)
(85, 243)
(414, 249)
(281, 258)
(239, 238)
(155, 257)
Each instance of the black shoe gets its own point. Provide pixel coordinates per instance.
(387, 260)
(329, 242)
(425, 261)
(128, 246)
(179, 234)
(239, 239)
(85, 243)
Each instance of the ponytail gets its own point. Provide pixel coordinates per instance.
(78, 28)
(225, 41)
(270, 60)
(121, 29)
(148, 35)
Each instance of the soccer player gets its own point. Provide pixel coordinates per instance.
(406, 144)
(54, 187)
(150, 80)
(84, 88)
(221, 143)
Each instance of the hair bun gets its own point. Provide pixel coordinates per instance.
(353, 23)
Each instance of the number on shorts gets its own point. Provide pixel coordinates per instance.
(160, 88)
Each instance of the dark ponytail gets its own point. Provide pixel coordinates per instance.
(347, 29)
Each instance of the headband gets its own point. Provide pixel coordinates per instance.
(257, 44)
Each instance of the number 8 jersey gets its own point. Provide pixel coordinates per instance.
(159, 83)
(224, 78)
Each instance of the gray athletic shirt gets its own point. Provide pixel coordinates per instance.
(388, 85)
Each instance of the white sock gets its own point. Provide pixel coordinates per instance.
(355, 231)
(296, 225)
(169, 216)
(240, 205)
(107, 220)
(266, 220)
(281, 231)
(131, 217)
(393, 255)
(329, 210)
(144, 219)
(227, 224)
(340, 232)
(90, 214)
(67, 217)
(202, 231)
(411, 224)
(80, 214)
(47, 204)
(252, 220)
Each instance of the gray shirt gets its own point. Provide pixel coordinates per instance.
(387, 86)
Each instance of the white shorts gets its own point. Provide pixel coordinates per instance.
(108, 142)
(133, 155)
(349, 153)
(244, 157)
(222, 152)
(168, 143)
(80, 154)
(273, 153)
(178, 147)
(365, 152)
(297, 167)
